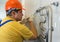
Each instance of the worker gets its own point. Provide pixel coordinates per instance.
(11, 30)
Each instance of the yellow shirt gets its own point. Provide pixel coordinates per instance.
(14, 31)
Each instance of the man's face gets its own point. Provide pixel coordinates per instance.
(19, 15)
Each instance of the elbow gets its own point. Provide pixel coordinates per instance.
(35, 37)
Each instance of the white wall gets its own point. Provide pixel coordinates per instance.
(56, 21)
(2, 11)
(31, 6)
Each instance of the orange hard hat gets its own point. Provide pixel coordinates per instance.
(13, 4)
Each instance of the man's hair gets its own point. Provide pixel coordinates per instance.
(8, 12)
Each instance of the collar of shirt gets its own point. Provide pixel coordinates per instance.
(7, 18)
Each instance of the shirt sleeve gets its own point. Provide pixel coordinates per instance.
(26, 33)
(23, 31)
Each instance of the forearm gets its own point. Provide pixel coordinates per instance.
(33, 29)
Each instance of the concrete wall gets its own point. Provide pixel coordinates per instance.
(31, 6)
(2, 11)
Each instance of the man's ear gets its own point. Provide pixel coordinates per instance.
(13, 13)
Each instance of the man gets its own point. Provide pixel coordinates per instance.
(13, 31)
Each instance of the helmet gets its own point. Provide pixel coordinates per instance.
(13, 4)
